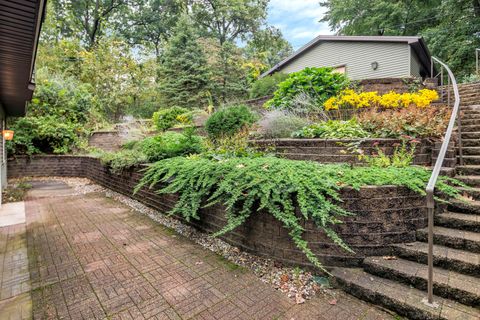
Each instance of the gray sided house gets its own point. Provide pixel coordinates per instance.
(20, 23)
(362, 57)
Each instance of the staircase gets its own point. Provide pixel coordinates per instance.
(399, 282)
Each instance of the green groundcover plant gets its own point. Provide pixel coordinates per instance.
(334, 129)
(151, 149)
(276, 186)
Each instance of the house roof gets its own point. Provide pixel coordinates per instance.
(20, 23)
(417, 44)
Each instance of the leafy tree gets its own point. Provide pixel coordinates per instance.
(87, 19)
(184, 72)
(228, 20)
(150, 22)
(357, 17)
(269, 46)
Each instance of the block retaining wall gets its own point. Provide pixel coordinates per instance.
(383, 215)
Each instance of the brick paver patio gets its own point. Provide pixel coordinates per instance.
(93, 258)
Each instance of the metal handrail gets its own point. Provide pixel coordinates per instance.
(435, 173)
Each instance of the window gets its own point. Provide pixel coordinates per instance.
(340, 69)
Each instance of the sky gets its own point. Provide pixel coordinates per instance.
(298, 20)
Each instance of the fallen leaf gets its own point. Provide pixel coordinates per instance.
(284, 277)
(333, 302)
(198, 263)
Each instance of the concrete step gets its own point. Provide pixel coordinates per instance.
(470, 151)
(453, 238)
(468, 170)
(475, 160)
(470, 143)
(469, 116)
(470, 135)
(467, 121)
(472, 107)
(470, 128)
(447, 284)
(470, 180)
(449, 258)
(461, 206)
(468, 113)
(471, 192)
(468, 222)
(401, 298)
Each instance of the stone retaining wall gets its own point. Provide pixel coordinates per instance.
(383, 215)
(106, 140)
(337, 150)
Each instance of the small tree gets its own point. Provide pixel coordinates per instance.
(185, 75)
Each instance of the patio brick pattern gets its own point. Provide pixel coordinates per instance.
(91, 258)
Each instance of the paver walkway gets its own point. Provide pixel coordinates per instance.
(93, 258)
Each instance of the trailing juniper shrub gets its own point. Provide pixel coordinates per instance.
(275, 186)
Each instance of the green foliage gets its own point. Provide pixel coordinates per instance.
(151, 149)
(229, 121)
(184, 74)
(470, 78)
(319, 83)
(275, 186)
(48, 134)
(123, 159)
(170, 144)
(230, 147)
(268, 46)
(335, 129)
(267, 85)
(402, 157)
(56, 117)
(165, 119)
(228, 20)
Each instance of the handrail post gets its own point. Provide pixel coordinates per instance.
(476, 59)
(431, 68)
(430, 209)
(448, 91)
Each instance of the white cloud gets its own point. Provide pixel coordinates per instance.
(298, 20)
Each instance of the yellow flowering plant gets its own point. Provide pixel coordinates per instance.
(391, 100)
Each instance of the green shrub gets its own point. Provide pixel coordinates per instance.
(43, 134)
(334, 129)
(170, 144)
(278, 124)
(229, 121)
(276, 186)
(266, 86)
(57, 115)
(318, 83)
(164, 119)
